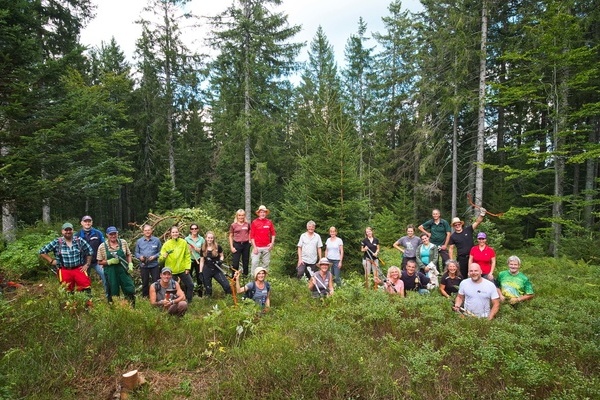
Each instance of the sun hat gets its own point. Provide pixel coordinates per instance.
(456, 220)
(262, 208)
(260, 269)
(324, 260)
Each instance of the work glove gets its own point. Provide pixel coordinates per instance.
(130, 265)
(112, 261)
(482, 211)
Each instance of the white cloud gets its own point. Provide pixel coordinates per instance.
(338, 18)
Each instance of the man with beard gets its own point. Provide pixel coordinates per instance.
(479, 295)
(72, 258)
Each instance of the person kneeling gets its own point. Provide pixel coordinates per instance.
(259, 290)
(167, 293)
(513, 285)
(321, 282)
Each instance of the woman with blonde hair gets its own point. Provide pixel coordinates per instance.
(393, 283)
(210, 264)
(239, 241)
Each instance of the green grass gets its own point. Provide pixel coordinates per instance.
(356, 345)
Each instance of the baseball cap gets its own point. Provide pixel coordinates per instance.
(111, 229)
(67, 225)
(481, 235)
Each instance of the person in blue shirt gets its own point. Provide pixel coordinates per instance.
(94, 237)
(147, 250)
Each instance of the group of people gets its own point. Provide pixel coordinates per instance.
(168, 270)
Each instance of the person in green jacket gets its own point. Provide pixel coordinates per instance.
(175, 254)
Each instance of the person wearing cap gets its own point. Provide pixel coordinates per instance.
(461, 240)
(72, 259)
(175, 254)
(262, 238)
(114, 255)
(478, 296)
(513, 285)
(321, 282)
(438, 230)
(258, 290)
(407, 245)
(167, 294)
(95, 238)
(147, 250)
(309, 250)
(483, 255)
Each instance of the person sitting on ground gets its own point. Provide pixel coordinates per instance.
(167, 294)
(414, 280)
(321, 282)
(258, 290)
(451, 279)
(480, 297)
(513, 285)
(394, 284)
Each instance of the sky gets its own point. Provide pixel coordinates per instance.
(338, 18)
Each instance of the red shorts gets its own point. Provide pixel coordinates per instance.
(72, 277)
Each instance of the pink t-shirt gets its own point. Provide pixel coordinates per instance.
(241, 232)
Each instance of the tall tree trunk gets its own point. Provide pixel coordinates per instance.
(455, 159)
(45, 201)
(591, 167)
(247, 169)
(481, 116)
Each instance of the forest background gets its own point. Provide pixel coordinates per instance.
(457, 98)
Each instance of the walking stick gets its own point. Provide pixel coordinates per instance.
(314, 275)
(476, 206)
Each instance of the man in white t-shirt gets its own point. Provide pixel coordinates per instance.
(479, 295)
(309, 250)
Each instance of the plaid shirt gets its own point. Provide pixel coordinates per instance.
(68, 257)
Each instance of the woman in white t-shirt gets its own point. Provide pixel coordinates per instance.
(334, 251)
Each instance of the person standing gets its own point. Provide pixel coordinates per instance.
(334, 251)
(72, 258)
(309, 250)
(195, 242)
(438, 230)
(407, 245)
(114, 255)
(175, 254)
(462, 240)
(167, 294)
(262, 238)
(147, 250)
(95, 238)
(210, 264)
(370, 248)
(513, 285)
(239, 241)
(479, 295)
(483, 255)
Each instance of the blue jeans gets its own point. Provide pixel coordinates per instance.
(336, 271)
(100, 271)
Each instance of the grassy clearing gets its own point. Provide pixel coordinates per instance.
(357, 345)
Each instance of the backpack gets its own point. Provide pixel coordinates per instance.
(249, 294)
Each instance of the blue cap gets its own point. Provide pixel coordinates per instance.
(111, 229)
